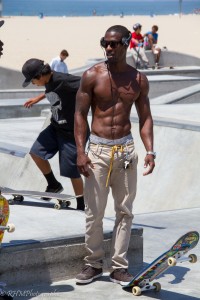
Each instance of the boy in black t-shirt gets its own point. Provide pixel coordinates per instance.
(58, 137)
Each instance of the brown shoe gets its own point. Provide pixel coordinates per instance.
(121, 276)
(88, 274)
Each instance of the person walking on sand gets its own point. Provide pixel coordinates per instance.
(58, 137)
(110, 89)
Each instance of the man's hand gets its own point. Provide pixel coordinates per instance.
(83, 164)
(150, 163)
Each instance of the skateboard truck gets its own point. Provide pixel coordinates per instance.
(10, 228)
(136, 290)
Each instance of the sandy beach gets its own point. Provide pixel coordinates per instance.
(28, 37)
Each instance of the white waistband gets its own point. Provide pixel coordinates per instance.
(102, 141)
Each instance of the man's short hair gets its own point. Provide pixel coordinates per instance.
(64, 53)
(155, 27)
(120, 29)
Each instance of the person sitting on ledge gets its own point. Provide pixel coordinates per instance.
(150, 43)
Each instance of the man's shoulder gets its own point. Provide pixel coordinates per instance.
(57, 58)
(95, 68)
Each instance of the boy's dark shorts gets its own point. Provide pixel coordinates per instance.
(49, 142)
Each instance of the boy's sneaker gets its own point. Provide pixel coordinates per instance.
(121, 276)
(88, 274)
(57, 189)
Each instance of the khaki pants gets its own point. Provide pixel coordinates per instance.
(122, 182)
(139, 55)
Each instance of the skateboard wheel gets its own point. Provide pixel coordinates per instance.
(18, 198)
(11, 228)
(11, 201)
(157, 286)
(68, 203)
(136, 290)
(57, 206)
(172, 261)
(193, 258)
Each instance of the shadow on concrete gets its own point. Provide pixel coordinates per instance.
(166, 295)
(139, 225)
(149, 226)
(179, 273)
(46, 204)
(20, 242)
(47, 292)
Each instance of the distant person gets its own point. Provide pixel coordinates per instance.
(1, 43)
(57, 64)
(137, 47)
(151, 39)
(94, 13)
(41, 15)
(58, 137)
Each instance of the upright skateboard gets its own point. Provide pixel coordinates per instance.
(62, 200)
(4, 216)
(142, 281)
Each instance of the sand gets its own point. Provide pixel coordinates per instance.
(28, 37)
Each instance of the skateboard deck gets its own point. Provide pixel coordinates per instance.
(4, 216)
(63, 200)
(141, 282)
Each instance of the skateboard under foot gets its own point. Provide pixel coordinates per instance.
(62, 200)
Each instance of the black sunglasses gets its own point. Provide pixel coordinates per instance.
(112, 44)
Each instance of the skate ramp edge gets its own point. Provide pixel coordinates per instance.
(56, 260)
(173, 184)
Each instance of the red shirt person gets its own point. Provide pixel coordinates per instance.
(137, 49)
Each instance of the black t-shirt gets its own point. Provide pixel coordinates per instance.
(61, 93)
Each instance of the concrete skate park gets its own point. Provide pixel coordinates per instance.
(44, 254)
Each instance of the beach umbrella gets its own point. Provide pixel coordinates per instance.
(180, 8)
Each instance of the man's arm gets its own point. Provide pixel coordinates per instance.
(32, 101)
(83, 102)
(145, 122)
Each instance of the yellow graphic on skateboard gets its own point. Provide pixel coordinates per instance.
(4, 216)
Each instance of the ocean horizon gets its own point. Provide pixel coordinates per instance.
(96, 7)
